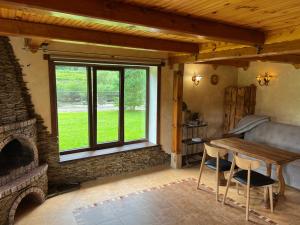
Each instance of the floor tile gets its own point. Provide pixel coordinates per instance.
(61, 207)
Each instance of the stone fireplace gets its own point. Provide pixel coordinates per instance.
(21, 173)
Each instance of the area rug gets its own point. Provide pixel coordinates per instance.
(177, 203)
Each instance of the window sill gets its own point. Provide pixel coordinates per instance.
(107, 151)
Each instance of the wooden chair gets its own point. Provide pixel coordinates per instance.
(216, 163)
(247, 177)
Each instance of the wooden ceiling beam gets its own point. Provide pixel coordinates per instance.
(29, 29)
(281, 35)
(235, 63)
(150, 19)
(292, 58)
(244, 62)
(267, 50)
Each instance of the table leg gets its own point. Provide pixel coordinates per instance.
(266, 192)
(281, 180)
(281, 184)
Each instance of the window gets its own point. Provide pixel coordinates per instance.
(108, 105)
(135, 102)
(99, 106)
(72, 107)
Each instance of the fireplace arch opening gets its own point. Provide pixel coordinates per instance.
(24, 203)
(16, 153)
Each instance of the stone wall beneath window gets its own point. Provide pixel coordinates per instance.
(107, 165)
(91, 168)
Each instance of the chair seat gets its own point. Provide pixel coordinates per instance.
(256, 179)
(224, 165)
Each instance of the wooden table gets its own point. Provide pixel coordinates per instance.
(268, 154)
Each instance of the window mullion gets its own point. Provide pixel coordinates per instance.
(90, 102)
(147, 103)
(94, 109)
(121, 122)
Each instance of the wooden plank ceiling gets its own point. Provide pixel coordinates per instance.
(265, 15)
(212, 25)
(40, 16)
(145, 19)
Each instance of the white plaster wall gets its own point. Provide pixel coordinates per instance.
(35, 69)
(281, 99)
(208, 99)
(153, 105)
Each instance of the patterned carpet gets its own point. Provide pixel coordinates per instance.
(177, 203)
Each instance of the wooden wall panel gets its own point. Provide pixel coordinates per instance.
(177, 110)
(227, 100)
(239, 102)
(232, 105)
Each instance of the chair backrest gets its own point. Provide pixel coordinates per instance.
(246, 164)
(215, 151)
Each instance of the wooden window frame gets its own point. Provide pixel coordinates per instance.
(92, 118)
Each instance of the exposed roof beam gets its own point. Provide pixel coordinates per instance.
(29, 29)
(245, 61)
(293, 59)
(148, 18)
(235, 63)
(290, 59)
(267, 50)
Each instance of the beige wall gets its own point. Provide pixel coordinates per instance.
(36, 70)
(208, 99)
(281, 99)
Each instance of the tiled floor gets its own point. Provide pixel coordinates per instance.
(178, 203)
(58, 210)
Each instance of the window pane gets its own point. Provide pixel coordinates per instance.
(72, 107)
(108, 91)
(135, 89)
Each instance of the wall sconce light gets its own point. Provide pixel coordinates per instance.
(196, 79)
(264, 80)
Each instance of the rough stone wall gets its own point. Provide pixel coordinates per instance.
(26, 129)
(14, 98)
(7, 202)
(16, 105)
(108, 165)
(24, 132)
